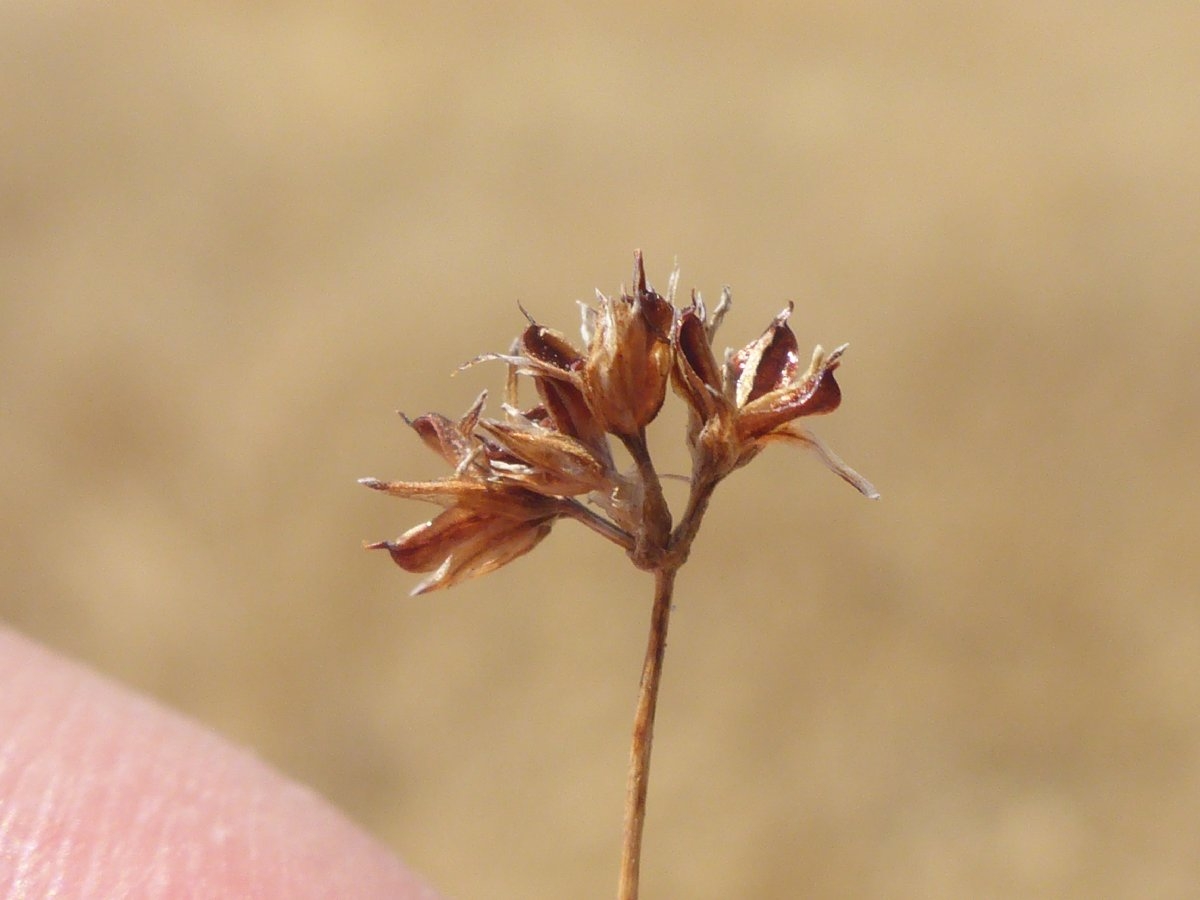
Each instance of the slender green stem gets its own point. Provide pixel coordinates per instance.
(643, 735)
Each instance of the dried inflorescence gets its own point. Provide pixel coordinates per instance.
(513, 477)
(756, 396)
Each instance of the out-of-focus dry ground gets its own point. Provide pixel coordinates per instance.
(233, 241)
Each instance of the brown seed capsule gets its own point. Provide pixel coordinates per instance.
(776, 398)
(557, 371)
(629, 355)
(700, 380)
(697, 374)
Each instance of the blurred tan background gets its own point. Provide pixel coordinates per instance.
(234, 240)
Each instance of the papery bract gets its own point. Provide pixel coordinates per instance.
(462, 543)
(544, 460)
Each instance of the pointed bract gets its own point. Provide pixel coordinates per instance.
(766, 364)
(449, 439)
(460, 544)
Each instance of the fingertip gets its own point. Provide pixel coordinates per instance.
(107, 793)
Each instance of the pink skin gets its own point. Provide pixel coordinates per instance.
(105, 794)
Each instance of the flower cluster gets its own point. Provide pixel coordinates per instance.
(514, 477)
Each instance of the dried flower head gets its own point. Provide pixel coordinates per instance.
(488, 521)
(514, 477)
(737, 408)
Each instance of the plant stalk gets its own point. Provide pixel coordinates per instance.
(643, 735)
(652, 543)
